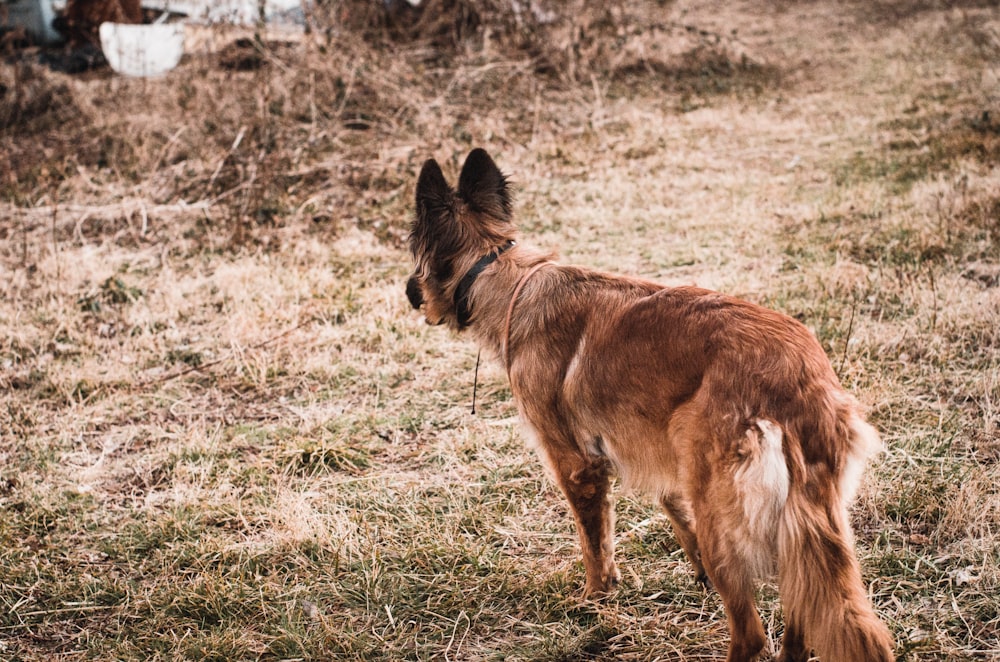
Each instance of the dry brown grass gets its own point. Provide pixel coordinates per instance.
(223, 435)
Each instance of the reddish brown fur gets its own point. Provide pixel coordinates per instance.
(727, 413)
(82, 18)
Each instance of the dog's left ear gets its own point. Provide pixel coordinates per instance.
(483, 186)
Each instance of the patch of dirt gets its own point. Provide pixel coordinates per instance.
(703, 71)
(895, 11)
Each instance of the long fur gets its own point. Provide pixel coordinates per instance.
(727, 413)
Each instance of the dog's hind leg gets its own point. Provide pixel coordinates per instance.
(793, 646)
(586, 482)
(733, 579)
(682, 520)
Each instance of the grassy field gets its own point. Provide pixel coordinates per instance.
(225, 436)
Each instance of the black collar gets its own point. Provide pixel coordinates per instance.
(462, 291)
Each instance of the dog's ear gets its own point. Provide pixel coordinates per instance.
(434, 196)
(483, 186)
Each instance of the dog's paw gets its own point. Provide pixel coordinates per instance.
(615, 576)
(596, 594)
(785, 656)
(602, 586)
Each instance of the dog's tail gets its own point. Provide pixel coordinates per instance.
(822, 593)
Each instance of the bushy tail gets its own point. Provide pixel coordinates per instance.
(823, 597)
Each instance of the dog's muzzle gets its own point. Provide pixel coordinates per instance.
(413, 293)
(416, 297)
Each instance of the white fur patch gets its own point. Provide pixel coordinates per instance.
(773, 468)
(865, 443)
(762, 482)
(574, 364)
(533, 441)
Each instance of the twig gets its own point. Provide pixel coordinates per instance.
(847, 341)
(24, 244)
(235, 146)
(934, 294)
(166, 147)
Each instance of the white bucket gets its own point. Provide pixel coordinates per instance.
(142, 50)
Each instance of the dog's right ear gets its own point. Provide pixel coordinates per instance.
(434, 196)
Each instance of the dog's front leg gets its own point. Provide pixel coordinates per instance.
(586, 482)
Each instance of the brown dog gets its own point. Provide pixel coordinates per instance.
(727, 413)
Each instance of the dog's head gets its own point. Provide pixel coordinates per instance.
(453, 229)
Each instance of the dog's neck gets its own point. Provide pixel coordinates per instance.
(492, 294)
(462, 291)
(505, 334)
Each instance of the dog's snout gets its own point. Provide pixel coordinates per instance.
(413, 293)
